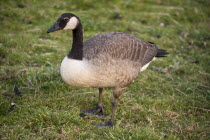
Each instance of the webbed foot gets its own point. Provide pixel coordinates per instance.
(98, 110)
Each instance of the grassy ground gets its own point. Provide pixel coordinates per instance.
(168, 101)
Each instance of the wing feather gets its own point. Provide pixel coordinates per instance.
(119, 46)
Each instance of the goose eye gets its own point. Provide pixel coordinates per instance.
(66, 19)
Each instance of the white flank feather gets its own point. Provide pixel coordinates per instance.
(146, 65)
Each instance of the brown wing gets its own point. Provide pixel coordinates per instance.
(119, 46)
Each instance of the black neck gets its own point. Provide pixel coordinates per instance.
(77, 45)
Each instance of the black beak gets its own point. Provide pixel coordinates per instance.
(55, 27)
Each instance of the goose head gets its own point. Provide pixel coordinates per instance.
(66, 21)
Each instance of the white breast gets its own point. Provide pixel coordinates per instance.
(76, 72)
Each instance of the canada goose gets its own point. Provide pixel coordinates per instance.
(110, 60)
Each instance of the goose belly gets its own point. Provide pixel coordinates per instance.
(84, 73)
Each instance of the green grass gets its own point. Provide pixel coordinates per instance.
(173, 104)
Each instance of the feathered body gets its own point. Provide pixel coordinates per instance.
(109, 60)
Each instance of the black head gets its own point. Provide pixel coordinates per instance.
(65, 21)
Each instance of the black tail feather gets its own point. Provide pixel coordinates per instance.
(161, 53)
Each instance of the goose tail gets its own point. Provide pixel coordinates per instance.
(161, 53)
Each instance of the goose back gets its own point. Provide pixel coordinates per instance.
(119, 46)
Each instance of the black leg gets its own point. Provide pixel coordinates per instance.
(117, 93)
(99, 109)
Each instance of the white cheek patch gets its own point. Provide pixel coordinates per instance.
(72, 24)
